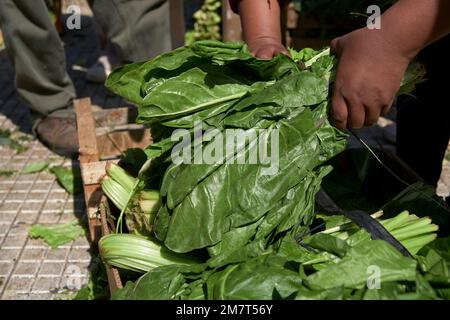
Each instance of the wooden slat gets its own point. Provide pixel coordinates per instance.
(86, 131)
(93, 172)
(113, 275)
(88, 153)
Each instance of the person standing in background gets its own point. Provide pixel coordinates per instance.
(138, 30)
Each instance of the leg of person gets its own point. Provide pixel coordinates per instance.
(423, 128)
(138, 29)
(38, 57)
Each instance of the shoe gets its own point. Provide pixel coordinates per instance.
(59, 135)
(100, 70)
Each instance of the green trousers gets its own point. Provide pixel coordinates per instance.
(138, 29)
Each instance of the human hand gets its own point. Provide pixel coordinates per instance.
(266, 48)
(369, 75)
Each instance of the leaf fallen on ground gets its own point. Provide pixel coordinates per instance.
(6, 173)
(35, 167)
(6, 139)
(68, 178)
(57, 235)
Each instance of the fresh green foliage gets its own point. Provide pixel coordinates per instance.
(137, 253)
(139, 208)
(7, 173)
(251, 228)
(69, 178)
(57, 235)
(35, 167)
(6, 138)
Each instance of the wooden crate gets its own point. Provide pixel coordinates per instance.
(102, 137)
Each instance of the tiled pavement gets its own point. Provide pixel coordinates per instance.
(29, 269)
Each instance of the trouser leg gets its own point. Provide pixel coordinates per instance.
(423, 128)
(138, 29)
(38, 57)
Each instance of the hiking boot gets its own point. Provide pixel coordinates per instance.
(59, 135)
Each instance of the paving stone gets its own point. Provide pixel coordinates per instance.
(39, 243)
(31, 206)
(81, 254)
(22, 284)
(20, 187)
(41, 296)
(8, 206)
(46, 283)
(58, 195)
(48, 218)
(51, 268)
(16, 196)
(81, 242)
(41, 196)
(42, 186)
(33, 254)
(28, 217)
(3, 228)
(26, 268)
(13, 295)
(14, 241)
(9, 254)
(7, 217)
(59, 254)
(19, 228)
(5, 186)
(53, 205)
(5, 268)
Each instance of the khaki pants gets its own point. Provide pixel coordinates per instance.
(139, 29)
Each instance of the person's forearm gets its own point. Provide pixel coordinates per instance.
(411, 25)
(260, 19)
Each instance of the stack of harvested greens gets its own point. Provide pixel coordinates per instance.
(218, 225)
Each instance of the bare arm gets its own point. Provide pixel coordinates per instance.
(261, 26)
(372, 62)
(414, 24)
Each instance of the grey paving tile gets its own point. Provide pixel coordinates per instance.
(9, 254)
(14, 241)
(4, 228)
(26, 268)
(41, 196)
(51, 268)
(13, 295)
(8, 206)
(41, 296)
(46, 284)
(28, 217)
(79, 254)
(36, 243)
(48, 218)
(33, 254)
(6, 268)
(59, 254)
(5, 186)
(21, 284)
(19, 228)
